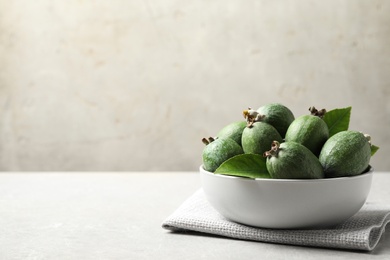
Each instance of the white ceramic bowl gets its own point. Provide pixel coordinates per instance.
(286, 203)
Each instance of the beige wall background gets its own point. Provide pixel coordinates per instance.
(134, 85)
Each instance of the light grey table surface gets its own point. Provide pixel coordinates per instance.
(119, 216)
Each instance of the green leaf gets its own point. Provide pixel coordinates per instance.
(374, 149)
(337, 120)
(244, 165)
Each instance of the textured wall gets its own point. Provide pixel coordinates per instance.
(135, 85)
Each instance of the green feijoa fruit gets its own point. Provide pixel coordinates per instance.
(291, 160)
(346, 153)
(233, 131)
(217, 151)
(257, 138)
(310, 131)
(277, 115)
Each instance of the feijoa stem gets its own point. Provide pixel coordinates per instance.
(315, 112)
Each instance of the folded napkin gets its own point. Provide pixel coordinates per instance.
(361, 232)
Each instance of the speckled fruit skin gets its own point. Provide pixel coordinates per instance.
(258, 138)
(277, 115)
(294, 161)
(233, 131)
(218, 151)
(346, 153)
(310, 131)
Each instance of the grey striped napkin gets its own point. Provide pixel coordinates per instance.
(361, 232)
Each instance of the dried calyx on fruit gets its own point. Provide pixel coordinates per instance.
(206, 141)
(275, 146)
(368, 138)
(315, 112)
(251, 116)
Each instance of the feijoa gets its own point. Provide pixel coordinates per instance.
(346, 153)
(310, 131)
(277, 115)
(217, 151)
(291, 160)
(233, 131)
(257, 138)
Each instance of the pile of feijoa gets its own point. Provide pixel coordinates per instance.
(271, 143)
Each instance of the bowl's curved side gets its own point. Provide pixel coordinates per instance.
(286, 204)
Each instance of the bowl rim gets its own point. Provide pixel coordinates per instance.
(369, 172)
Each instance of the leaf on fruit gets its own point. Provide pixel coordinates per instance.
(374, 149)
(337, 120)
(244, 165)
